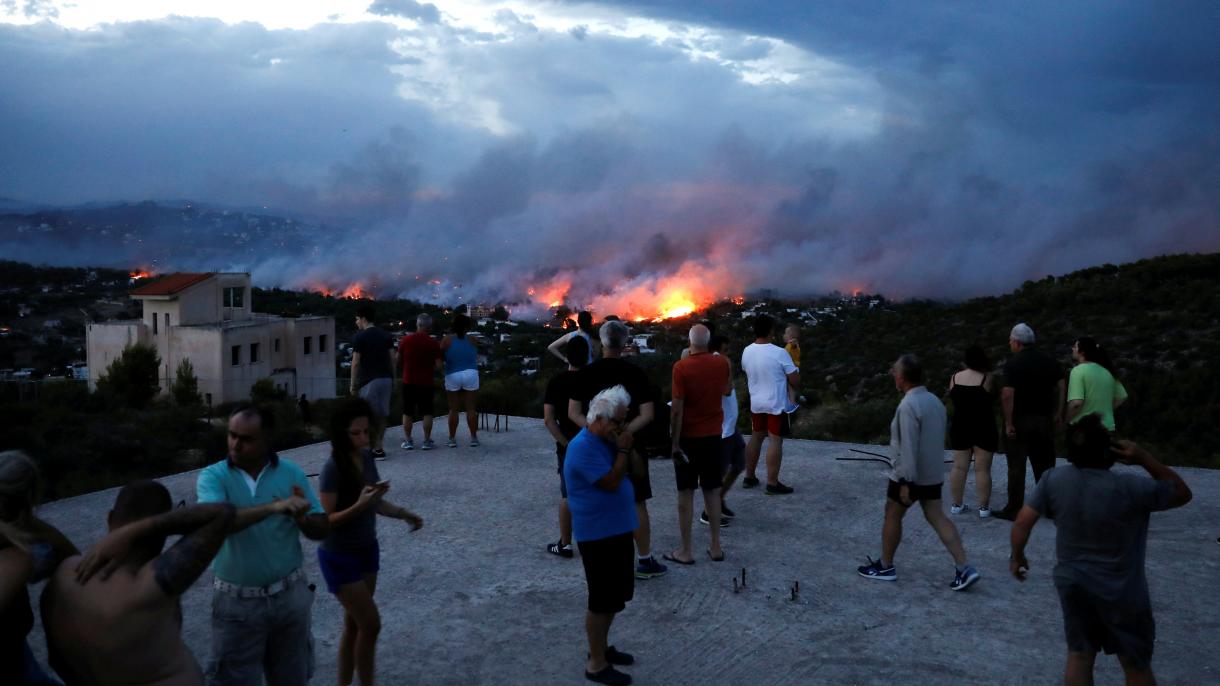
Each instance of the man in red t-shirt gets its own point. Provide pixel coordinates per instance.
(420, 355)
(700, 381)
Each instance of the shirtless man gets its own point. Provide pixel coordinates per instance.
(113, 614)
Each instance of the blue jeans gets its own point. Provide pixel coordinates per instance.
(266, 636)
(32, 672)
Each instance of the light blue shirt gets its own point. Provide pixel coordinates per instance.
(270, 550)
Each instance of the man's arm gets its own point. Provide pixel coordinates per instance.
(1021, 528)
(1006, 396)
(576, 413)
(1130, 453)
(1073, 409)
(203, 529)
(675, 422)
(314, 526)
(794, 379)
(908, 444)
(644, 419)
(556, 346)
(1060, 396)
(552, 424)
(614, 477)
(249, 516)
(355, 372)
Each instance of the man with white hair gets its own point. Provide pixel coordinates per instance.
(609, 371)
(1033, 398)
(421, 358)
(700, 381)
(602, 503)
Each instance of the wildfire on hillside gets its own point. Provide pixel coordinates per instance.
(354, 291)
(140, 274)
(691, 288)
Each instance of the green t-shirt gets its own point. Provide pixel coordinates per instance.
(1091, 383)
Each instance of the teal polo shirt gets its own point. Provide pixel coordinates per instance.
(270, 550)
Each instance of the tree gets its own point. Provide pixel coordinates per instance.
(264, 391)
(185, 388)
(500, 314)
(132, 378)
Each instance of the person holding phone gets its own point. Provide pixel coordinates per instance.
(352, 494)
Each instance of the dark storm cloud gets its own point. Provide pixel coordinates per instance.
(919, 149)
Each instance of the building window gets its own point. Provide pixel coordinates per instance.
(235, 354)
(253, 353)
(154, 323)
(235, 296)
(167, 322)
(308, 344)
(208, 396)
(277, 345)
(322, 343)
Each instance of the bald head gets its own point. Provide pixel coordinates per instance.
(700, 336)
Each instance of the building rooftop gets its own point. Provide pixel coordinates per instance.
(171, 284)
(473, 598)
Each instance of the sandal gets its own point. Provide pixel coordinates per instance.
(714, 558)
(670, 558)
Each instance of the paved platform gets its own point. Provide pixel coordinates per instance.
(474, 598)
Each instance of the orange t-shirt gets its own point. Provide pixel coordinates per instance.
(700, 380)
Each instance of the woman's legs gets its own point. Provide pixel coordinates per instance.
(361, 625)
(982, 477)
(455, 399)
(957, 476)
(472, 417)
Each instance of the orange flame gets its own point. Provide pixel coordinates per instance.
(693, 287)
(354, 291)
(140, 274)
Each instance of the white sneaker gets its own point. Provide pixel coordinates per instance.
(408, 444)
(984, 512)
(957, 509)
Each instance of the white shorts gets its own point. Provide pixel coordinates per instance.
(465, 380)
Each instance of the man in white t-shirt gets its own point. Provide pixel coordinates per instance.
(769, 373)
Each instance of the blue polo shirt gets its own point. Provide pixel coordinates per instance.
(270, 550)
(596, 512)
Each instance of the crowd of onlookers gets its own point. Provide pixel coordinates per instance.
(112, 615)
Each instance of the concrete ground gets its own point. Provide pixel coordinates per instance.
(473, 598)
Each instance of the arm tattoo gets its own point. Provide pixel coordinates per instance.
(203, 530)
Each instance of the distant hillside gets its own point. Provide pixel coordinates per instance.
(1160, 319)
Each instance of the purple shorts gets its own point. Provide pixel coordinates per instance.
(342, 568)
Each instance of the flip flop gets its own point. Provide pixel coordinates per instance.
(716, 559)
(670, 558)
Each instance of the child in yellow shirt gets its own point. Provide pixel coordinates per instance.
(792, 344)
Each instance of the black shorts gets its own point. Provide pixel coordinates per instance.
(609, 572)
(1091, 624)
(916, 491)
(704, 466)
(641, 483)
(417, 400)
(560, 452)
(733, 453)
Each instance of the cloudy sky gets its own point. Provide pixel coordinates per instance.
(619, 149)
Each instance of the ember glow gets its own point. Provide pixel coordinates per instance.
(693, 287)
(141, 274)
(354, 291)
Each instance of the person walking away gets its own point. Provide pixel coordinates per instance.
(114, 614)
(603, 519)
(420, 355)
(700, 381)
(261, 600)
(1032, 399)
(461, 378)
(609, 371)
(30, 551)
(769, 374)
(1093, 385)
(563, 430)
(1101, 540)
(353, 494)
(972, 433)
(373, 371)
(917, 442)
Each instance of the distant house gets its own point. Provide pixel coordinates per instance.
(208, 318)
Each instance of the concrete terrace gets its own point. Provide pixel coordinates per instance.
(474, 598)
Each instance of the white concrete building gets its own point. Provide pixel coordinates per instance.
(209, 320)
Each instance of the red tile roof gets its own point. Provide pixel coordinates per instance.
(172, 283)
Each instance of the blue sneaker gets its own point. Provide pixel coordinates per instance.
(965, 578)
(650, 568)
(875, 570)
